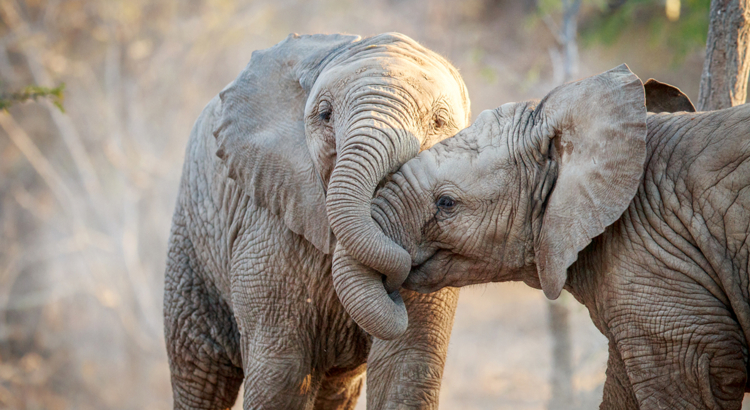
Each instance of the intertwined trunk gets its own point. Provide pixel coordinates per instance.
(366, 261)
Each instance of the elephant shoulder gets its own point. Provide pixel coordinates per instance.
(202, 171)
(704, 156)
(723, 152)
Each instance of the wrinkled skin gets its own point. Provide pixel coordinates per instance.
(249, 293)
(656, 222)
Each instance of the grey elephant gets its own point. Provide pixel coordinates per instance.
(279, 170)
(644, 218)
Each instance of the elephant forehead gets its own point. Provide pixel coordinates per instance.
(394, 68)
(425, 72)
(467, 165)
(483, 134)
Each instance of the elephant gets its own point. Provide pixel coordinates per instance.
(279, 171)
(643, 217)
(662, 97)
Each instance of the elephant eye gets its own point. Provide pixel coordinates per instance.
(438, 123)
(325, 110)
(325, 116)
(446, 203)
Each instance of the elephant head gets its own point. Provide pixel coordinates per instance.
(313, 125)
(518, 194)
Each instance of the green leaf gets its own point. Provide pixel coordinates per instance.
(33, 93)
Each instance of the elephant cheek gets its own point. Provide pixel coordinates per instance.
(324, 157)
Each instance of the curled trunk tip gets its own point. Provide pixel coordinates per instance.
(364, 297)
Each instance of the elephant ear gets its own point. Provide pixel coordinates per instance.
(662, 97)
(261, 133)
(595, 129)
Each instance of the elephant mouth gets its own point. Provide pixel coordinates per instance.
(445, 268)
(429, 275)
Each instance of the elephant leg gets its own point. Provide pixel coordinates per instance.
(340, 389)
(405, 373)
(277, 342)
(201, 336)
(278, 372)
(618, 392)
(685, 353)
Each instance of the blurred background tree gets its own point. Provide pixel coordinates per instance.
(86, 196)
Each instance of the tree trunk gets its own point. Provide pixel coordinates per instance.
(727, 65)
(565, 64)
(562, 395)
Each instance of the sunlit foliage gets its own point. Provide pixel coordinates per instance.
(33, 92)
(622, 20)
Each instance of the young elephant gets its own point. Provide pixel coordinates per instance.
(644, 218)
(249, 292)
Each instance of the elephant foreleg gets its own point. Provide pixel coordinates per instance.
(685, 352)
(276, 351)
(201, 336)
(618, 391)
(405, 373)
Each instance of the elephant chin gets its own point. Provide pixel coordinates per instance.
(363, 295)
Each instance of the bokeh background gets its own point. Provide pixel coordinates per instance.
(86, 195)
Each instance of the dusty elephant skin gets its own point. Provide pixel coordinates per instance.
(278, 166)
(643, 217)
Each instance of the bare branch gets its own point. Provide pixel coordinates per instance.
(40, 164)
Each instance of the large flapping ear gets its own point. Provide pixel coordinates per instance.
(597, 128)
(662, 97)
(261, 134)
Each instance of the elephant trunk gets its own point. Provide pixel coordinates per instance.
(372, 150)
(361, 291)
